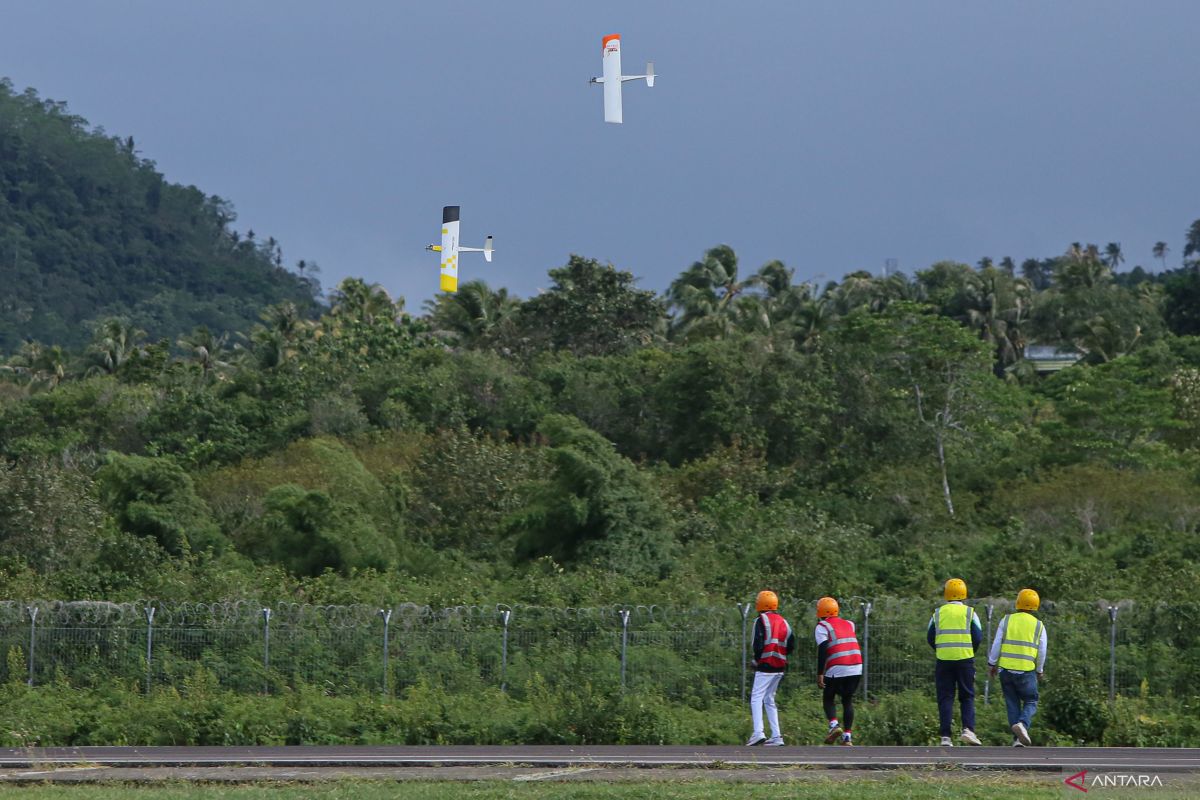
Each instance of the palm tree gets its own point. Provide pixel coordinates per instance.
(204, 348)
(985, 263)
(1082, 268)
(705, 294)
(1036, 273)
(997, 306)
(814, 316)
(1113, 255)
(1192, 244)
(1008, 265)
(863, 290)
(41, 367)
(473, 313)
(113, 343)
(1160, 252)
(357, 301)
(278, 338)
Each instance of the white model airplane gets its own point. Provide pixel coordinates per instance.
(450, 248)
(611, 48)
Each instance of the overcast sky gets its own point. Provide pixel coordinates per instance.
(830, 135)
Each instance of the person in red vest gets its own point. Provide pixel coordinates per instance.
(773, 642)
(839, 668)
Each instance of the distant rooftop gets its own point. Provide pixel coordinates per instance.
(1051, 357)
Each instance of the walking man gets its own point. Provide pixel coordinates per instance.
(839, 668)
(1019, 652)
(773, 642)
(954, 634)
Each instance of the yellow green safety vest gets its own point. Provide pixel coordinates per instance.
(1019, 647)
(952, 632)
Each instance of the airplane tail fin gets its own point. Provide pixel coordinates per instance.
(487, 248)
(650, 74)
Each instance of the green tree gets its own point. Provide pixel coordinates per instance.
(717, 393)
(1181, 306)
(595, 507)
(154, 498)
(938, 370)
(307, 533)
(51, 519)
(589, 309)
(1121, 412)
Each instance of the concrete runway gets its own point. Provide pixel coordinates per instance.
(846, 758)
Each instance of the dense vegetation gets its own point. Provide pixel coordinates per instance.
(90, 230)
(597, 443)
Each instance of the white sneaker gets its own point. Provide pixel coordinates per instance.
(1017, 743)
(969, 737)
(946, 742)
(774, 741)
(1021, 734)
(757, 738)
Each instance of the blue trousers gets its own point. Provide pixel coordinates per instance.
(951, 675)
(1020, 696)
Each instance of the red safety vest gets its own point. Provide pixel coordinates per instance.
(776, 634)
(843, 646)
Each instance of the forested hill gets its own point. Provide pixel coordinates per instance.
(89, 230)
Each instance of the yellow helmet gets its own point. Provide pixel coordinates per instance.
(766, 601)
(827, 607)
(955, 589)
(1028, 600)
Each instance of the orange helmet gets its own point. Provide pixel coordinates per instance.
(766, 601)
(827, 607)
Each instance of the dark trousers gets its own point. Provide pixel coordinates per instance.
(843, 687)
(948, 676)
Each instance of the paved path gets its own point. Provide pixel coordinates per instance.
(1001, 758)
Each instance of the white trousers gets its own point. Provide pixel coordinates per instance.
(763, 694)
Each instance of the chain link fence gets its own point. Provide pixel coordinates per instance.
(1116, 648)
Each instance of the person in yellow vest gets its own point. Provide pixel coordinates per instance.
(955, 634)
(1019, 653)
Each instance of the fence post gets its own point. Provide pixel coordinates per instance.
(149, 611)
(33, 612)
(624, 642)
(745, 609)
(505, 615)
(866, 646)
(987, 683)
(1112, 655)
(386, 613)
(266, 615)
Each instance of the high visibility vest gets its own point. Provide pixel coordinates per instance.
(776, 633)
(952, 632)
(1019, 647)
(843, 646)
